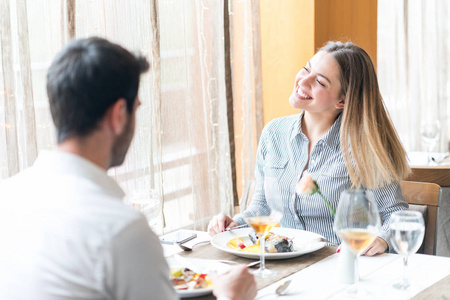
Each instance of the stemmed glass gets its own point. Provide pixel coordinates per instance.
(430, 132)
(407, 231)
(148, 202)
(357, 222)
(262, 225)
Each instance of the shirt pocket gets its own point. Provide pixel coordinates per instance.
(274, 166)
(336, 170)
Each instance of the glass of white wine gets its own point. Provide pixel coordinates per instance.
(407, 231)
(262, 224)
(357, 222)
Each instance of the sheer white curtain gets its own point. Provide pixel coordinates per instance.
(247, 91)
(181, 146)
(413, 66)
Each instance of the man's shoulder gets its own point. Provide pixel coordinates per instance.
(71, 201)
(18, 186)
(95, 208)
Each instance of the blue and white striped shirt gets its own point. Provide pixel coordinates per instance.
(281, 159)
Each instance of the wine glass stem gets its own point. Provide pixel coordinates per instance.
(262, 244)
(405, 281)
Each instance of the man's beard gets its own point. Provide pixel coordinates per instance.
(121, 145)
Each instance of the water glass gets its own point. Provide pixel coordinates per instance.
(407, 231)
(148, 202)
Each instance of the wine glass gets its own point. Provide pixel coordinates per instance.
(357, 222)
(148, 202)
(407, 231)
(430, 132)
(262, 224)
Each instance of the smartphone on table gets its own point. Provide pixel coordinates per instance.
(178, 237)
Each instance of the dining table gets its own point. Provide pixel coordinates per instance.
(317, 275)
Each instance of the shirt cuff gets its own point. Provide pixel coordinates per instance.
(239, 218)
(223, 298)
(385, 237)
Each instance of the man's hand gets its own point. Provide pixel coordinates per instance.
(236, 284)
(378, 246)
(219, 223)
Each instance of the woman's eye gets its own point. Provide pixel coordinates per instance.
(318, 81)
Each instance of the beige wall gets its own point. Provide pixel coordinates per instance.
(347, 20)
(292, 30)
(287, 42)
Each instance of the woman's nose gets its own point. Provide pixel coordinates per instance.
(305, 80)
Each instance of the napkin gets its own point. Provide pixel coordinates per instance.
(201, 266)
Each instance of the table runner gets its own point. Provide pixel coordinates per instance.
(439, 290)
(283, 267)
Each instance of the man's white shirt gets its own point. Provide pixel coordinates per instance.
(67, 235)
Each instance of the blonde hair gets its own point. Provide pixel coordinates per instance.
(372, 151)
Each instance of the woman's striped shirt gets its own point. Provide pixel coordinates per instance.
(281, 159)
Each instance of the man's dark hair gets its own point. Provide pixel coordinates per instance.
(85, 79)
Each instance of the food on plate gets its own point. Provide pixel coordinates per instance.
(186, 279)
(238, 244)
(275, 243)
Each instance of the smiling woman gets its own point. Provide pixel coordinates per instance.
(343, 138)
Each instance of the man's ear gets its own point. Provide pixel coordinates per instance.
(118, 116)
(341, 103)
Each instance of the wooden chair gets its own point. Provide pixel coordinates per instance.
(426, 198)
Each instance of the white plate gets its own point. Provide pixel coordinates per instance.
(207, 265)
(304, 242)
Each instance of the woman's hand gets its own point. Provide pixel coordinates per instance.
(378, 246)
(219, 223)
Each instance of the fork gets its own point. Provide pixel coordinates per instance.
(186, 248)
(322, 239)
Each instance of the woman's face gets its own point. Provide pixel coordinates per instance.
(317, 86)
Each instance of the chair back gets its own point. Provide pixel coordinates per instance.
(426, 198)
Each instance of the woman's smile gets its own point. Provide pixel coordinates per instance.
(301, 94)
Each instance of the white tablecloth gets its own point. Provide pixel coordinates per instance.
(320, 281)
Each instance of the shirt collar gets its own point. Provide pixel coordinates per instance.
(297, 126)
(74, 165)
(331, 138)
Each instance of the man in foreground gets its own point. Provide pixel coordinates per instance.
(66, 233)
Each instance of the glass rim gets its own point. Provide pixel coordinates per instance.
(407, 213)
